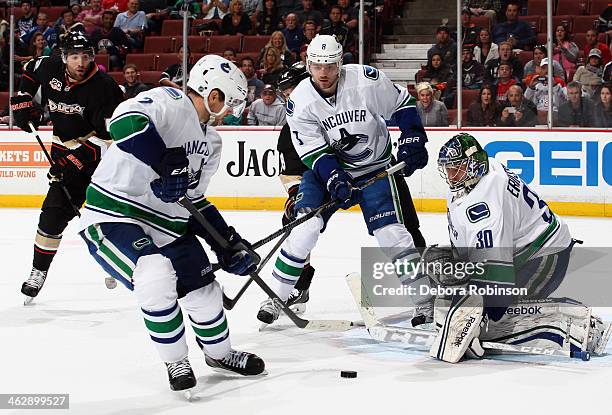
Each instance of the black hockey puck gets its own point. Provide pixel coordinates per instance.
(348, 374)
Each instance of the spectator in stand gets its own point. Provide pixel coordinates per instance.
(267, 110)
(269, 20)
(578, 110)
(272, 67)
(27, 19)
(505, 56)
(437, 73)
(485, 50)
(254, 85)
(469, 31)
(518, 33)
(489, 8)
(308, 13)
(504, 81)
(445, 47)
(111, 40)
(284, 7)
(76, 10)
(133, 22)
(68, 24)
(591, 74)
(156, 12)
(92, 16)
(42, 26)
(517, 111)
(21, 50)
(602, 111)
(294, 36)
(540, 52)
(350, 15)
(537, 89)
(341, 31)
(310, 31)
(38, 46)
(303, 52)
(229, 54)
(565, 51)
(236, 21)
(277, 41)
(132, 85)
(432, 112)
(193, 9)
(215, 9)
(485, 111)
(473, 72)
(592, 43)
(119, 6)
(252, 8)
(173, 75)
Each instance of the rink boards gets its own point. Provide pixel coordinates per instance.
(571, 169)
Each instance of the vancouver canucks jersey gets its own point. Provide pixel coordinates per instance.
(120, 188)
(351, 123)
(503, 223)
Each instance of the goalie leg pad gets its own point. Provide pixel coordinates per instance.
(205, 309)
(459, 329)
(155, 288)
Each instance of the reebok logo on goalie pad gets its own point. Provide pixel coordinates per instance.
(524, 310)
(464, 332)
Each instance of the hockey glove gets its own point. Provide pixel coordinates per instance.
(289, 215)
(75, 161)
(340, 187)
(173, 175)
(412, 151)
(25, 112)
(239, 258)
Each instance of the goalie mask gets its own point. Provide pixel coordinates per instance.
(462, 162)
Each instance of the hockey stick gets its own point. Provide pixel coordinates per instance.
(424, 338)
(331, 325)
(62, 186)
(288, 227)
(228, 303)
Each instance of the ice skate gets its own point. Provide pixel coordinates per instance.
(297, 300)
(242, 363)
(181, 376)
(32, 286)
(269, 311)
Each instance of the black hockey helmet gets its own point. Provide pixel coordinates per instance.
(292, 76)
(76, 42)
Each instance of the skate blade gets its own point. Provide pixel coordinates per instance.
(110, 283)
(223, 371)
(28, 300)
(263, 326)
(298, 308)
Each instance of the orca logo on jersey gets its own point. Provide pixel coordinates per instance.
(141, 243)
(370, 72)
(348, 141)
(478, 212)
(145, 100)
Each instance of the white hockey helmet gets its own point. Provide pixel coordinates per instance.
(214, 72)
(324, 49)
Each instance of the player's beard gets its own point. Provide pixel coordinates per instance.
(78, 75)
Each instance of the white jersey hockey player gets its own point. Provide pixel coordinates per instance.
(139, 235)
(497, 221)
(337, 121)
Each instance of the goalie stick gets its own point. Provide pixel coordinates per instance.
(424, 338)
(328, 325)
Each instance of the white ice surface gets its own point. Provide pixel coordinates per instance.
(82, 339)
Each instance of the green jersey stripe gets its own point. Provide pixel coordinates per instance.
(126, 126)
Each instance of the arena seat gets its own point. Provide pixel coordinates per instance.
(159, 44)
(217, 44)
(254, 44)
(143, 61)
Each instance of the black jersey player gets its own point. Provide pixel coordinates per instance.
(79, 98)
(291, 172)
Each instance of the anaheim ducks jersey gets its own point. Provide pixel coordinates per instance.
(120, 189)
(349, 124)
(504, 223)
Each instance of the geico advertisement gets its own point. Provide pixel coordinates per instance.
(561, 165)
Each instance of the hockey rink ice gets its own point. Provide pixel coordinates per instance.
(82, 339)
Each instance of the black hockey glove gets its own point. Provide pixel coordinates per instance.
(173, 175)
(412, 151)
(74, 161)
(340, 187)
(289, 215)
(239, 258)
(25, 111)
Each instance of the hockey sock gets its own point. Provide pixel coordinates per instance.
(287, 271)
(205, 309)
(45, 248)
